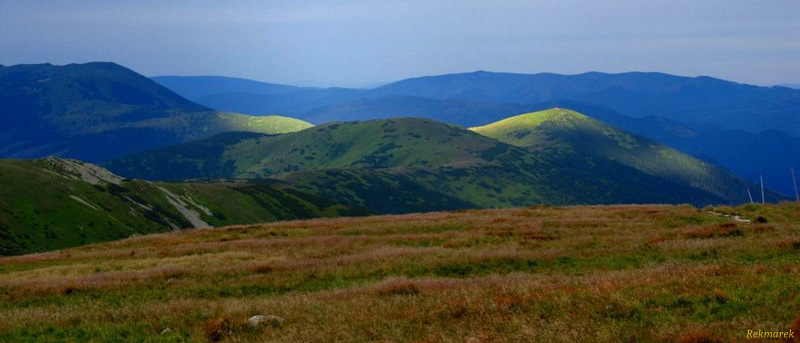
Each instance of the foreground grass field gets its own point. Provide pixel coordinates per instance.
(540, 274)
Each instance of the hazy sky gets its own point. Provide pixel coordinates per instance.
(355, 42)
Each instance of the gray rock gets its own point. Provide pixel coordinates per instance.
(261, 319)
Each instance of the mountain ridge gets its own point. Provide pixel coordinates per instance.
(100, 110)
(202, 86)
(447, 159)
(701, 100)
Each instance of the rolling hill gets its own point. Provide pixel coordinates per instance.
(571, 132)
(369, 164)
(54, 203)
(736, 126)
(97, 111)
(749, 155)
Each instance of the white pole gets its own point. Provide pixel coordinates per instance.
(750, 195)
(794, 181)
(762, 189)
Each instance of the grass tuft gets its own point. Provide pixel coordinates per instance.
(216, 329)
(698, 335)
(795, 327)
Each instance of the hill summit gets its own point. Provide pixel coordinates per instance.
(574, 135)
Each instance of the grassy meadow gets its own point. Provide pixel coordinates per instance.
(537, 274)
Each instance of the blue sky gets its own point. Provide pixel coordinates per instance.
(355, 42)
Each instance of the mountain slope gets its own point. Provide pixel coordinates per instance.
(55, 203)
(569, 132)
(97, 111)
(353, 161)
(747, 154)
(374, 144)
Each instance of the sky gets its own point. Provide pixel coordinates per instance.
(358, 43)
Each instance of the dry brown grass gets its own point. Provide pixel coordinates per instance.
(556, 274)
(399, 286)
(795, 328)
(698, 335)
(714, 230)
(218, 328)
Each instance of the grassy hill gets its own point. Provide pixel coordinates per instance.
(97, 111)
(375, 144)
(746, 154)
(553, 274)
(55, 203)
(381, 159)
(571, 133)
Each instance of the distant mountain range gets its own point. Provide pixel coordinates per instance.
(737, 126)
(412, 164)
(701, 100)
(98, 111)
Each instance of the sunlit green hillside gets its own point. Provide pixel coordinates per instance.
(411, 164)
(55, 203)
(573, 135)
